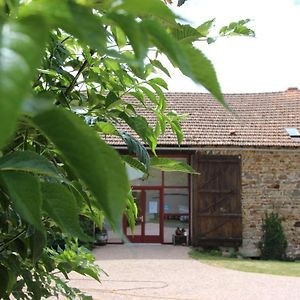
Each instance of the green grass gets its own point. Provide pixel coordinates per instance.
(248, 265)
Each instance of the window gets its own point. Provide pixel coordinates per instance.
(154, 178)
(176, 178)
(293, 132)
(176, 201)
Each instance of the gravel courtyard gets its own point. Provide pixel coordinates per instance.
(166, 272)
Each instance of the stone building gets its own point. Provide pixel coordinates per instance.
(249, 160)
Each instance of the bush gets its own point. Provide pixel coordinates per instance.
(273, 242)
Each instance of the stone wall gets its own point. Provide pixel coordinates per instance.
(270, 181)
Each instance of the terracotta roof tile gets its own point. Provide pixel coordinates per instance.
(259, 119)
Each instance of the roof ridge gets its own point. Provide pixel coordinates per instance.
(238, 93)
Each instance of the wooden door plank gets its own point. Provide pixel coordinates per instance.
(216, 204)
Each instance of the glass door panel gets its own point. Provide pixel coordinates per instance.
(148, 228)
(176, 211)
(152, 213)
(138, 197)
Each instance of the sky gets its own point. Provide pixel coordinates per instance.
(269, 62)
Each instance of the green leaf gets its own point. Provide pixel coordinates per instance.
(243, 30)
(171, 165)
(188, 59)
(4, 279)
(135, 147)
(85, 297)
(132, 29)
(78, 20)
(201, 70)
(161, 119)
(237, 28)
(37, 243)
(156, 63)
(162, 98)
(132, 162)
(12, 274)
(140, 125)
(25, 194)
(90, 272)
(28, 161)
(153, 8)
(166, 43)
(138, 95)
(185, 33)
(158, 129)
(61, 206)
(112, 64)
(119, 35)
(107, 128)
(115, 104)
(131, 212)
(48, 72)
(90, 29)
(160, 82)
(205, 27)
(151, 96)
(94, 214)
(176, 128)
(90, 158)
(148, 70)
(21, 45)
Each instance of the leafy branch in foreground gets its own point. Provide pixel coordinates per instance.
(72, 75)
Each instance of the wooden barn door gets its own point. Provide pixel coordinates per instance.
(216, 203)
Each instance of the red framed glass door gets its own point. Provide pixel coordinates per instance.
(148, 225)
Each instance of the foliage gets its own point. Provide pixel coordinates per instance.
(273, 242)
(44, 282)
(72, 74)
(237, 28)
(171, 165)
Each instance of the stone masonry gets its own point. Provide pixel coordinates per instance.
(270, 182)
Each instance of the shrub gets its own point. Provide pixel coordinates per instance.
(273, 242)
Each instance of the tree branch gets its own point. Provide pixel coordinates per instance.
(72, 84)
(5, 244)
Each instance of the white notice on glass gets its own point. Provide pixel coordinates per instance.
(153, 207)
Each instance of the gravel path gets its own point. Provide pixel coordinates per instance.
(167, 272)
